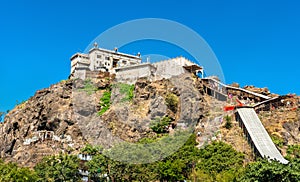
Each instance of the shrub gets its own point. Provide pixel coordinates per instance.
(63, 81)
(160, 125)
(219, 157)
(126, 90)
(294, 150)
(89, 87)
(266, 170)
(277, 140)
(228, 123)
(172, 102)
(21, 104)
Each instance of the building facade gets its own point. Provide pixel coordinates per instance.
(99, 59)
(128, 68)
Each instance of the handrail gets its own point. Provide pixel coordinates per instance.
(241, 89)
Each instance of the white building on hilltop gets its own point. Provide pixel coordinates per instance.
(128, 68)
(99, 59)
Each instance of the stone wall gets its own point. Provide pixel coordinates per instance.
(173, 67)
(130, 74)
(80, 73)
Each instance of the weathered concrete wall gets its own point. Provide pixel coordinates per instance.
(80, 73)
(156, 71)
(132, 73)
(172, 67)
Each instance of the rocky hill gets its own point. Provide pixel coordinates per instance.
(27, 133)
(70, 114)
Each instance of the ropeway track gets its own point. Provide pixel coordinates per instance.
(259, 136)
(256, 132)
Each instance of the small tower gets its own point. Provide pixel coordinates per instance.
(116, 49)
(95, 45)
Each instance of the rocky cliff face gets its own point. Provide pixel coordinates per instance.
(283, 124)
(65, 116)
(41, 126)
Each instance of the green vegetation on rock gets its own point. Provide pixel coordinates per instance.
(228, 124)
(277, 140)
(89, 87)
(172, 101)
(104, 102)
(160, 125)
(126, 90)
(293, 151)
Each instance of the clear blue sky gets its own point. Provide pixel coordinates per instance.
(256, 42)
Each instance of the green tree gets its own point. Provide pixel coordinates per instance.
(11, 172)
(98, 167)
(91, 150)
(278, 141)
(265, 171)
(101, 167)
(58, 168)
(219, 157)
(180, 164)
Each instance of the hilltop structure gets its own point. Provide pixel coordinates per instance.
(128, 68)
(65, 116)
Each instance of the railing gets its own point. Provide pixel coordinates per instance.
(222, 88)
(255, 132)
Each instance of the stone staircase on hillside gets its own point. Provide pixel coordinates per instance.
(62, 128)
(210, 129)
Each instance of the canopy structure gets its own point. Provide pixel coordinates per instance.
(194, 67)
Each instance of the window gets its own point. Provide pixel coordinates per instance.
(99, 56)
(106, 58)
